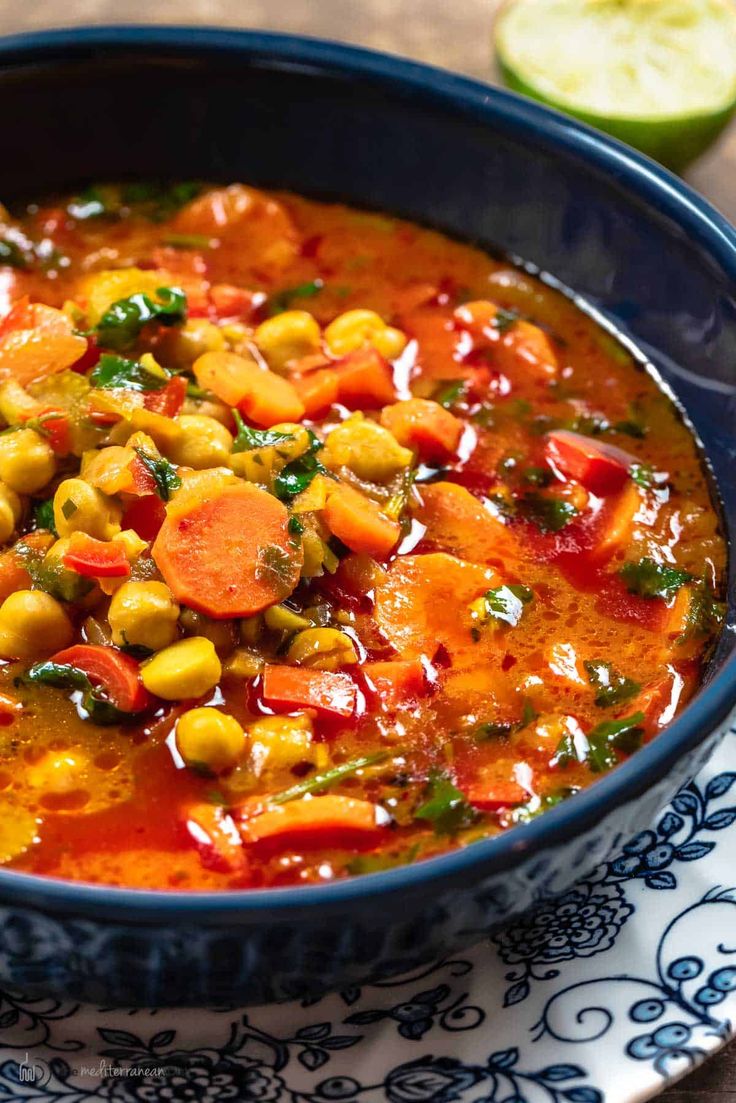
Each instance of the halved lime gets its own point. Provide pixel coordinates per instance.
(658, 74)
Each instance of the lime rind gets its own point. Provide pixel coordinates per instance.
(672, 109)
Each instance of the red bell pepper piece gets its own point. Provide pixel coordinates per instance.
(169, 400)
(112, 670)
(297, 687)
(600, 468)
(96, 558)
(57, 429)
(145, 515)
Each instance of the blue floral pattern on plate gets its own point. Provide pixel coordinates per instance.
(602, 995)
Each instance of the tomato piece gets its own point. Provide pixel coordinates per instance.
(96, 558)
(600, 468)
(296, 687)
(145, 515)
(216, 837)
(315, 822)
(110, 669)
(228, 301)
(169, 400)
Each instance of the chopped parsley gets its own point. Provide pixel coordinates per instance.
(704, 616)
(295, 526)
(548, 514)
(506, 603)
(11, 254)
(503, 320)
(121, 324)
(650, 579)
(163, 472)
(444, 806)
(247, 439)
(282, 300)
(611, 687)
(115, 371)
(330, 777)
(613, 735)
(297, 475)
(43, 515)
(451, 393)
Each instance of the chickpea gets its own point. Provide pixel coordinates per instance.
(197, 336)
(356, 328)
(204, 442)
(187, 668)
(79, 507)
(143, 614)
(10, 511)
(368, 449)
(322, 649)
(221, 632)
(32, 623)
(280, 742)
(27, 461)
(288, 336)
(210, 740)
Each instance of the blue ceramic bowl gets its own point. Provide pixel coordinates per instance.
(632, 240)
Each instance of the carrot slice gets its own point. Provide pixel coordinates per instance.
(297, 687)
(318, 390)
(396, 681)
(491, 794)
(113, 670)
(263, 396)
(364, 378)
(422, 600)
(425, 426)
(308, 821)
(216, 837)
(457, 522)
(96, 558)
(229, 555)
(37, 341)
(527, 346)
(359, 523)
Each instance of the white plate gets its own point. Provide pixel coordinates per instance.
(610, 992)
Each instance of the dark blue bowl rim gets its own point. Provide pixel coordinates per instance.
(634, 173)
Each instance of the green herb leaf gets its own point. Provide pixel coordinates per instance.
(246, 438)
(445, 807)
(121, 324)
(115, 371)
(295, 526)
(705, 614)
(38, 424)
(11, 255)
(298, 474)
(451, 393)
(612, 687)
(158, 201)
(537, 476)
(377, 863)
(548, 514)
(650, 579)
(506, 603)
(52, 576)
(98, 708)
(282, 300)
(187, 241)
(331, 777)
(503, 320)
(97, 201)
(164, 473)
(613, 735)
(43, 515)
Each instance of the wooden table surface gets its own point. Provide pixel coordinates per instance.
(454, 35)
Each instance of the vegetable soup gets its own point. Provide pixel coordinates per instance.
(329, 543)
